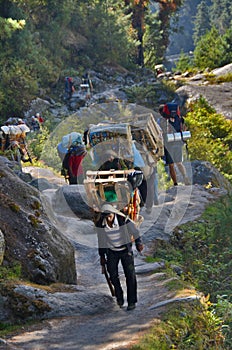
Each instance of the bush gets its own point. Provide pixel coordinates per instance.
(213, 49)
(211, 137)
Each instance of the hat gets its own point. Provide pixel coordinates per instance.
(108, 209)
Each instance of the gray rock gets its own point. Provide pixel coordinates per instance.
(175, 300)
(44, 254)
(72, 197)
(42, 184)
(223, 70)
(205, 173)
(26, 302)
(37, 105)
(2, 247)
(218, 96)
(149, 268)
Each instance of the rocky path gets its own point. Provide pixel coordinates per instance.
(87, 318)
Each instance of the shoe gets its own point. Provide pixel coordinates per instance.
(148, 210)
(120, 303)
(186, 181)
(131, 307)
(175, 184)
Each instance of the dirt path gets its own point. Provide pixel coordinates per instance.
(107, 328)
(112, 328)
(97, 323)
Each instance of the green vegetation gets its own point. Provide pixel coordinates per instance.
(41, 42)
(203, 249)
(206, 31)
(187, 327)
(211, 137)
(10, 273)
(213, 49)
(211, 78)
(184, 63)
(149, 95)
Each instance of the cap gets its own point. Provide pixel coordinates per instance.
(107, 209)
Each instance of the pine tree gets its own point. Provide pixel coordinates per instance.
(209, 51)
(221, 14)
(202, 21)
(152, 51)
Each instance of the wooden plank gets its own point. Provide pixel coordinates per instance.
(108, 172)
(113, 180)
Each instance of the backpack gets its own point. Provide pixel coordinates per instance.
(170, 110)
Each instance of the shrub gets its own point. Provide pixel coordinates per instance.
(211, 136)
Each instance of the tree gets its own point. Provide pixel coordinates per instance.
(213, 50)
(184, 63)
(227, 55)
(151, 38)
(166, 9)
(221, 15)
(202, 21)
(106, 31)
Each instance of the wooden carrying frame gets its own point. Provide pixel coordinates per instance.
(146, 131)
(111, 136)
(98, 182)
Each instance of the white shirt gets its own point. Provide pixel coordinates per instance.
(114, 233)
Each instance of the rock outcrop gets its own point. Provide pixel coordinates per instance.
(30, 239)
(217, 95)
(204, 173)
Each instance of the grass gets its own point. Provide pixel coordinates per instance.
(184, 327)
(10, 273)
(213, 79)
(203, 250)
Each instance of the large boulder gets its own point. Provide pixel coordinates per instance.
(204, 173)
(217, 95)
(72, 200)
(45, 255)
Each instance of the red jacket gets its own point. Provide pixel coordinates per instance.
(75, 165)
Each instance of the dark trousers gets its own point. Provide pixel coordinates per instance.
(147, 189)
(75, 180)
(127, 261)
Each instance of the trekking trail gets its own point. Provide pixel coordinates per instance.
(88, 318)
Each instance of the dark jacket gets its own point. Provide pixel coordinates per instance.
(128, 228)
